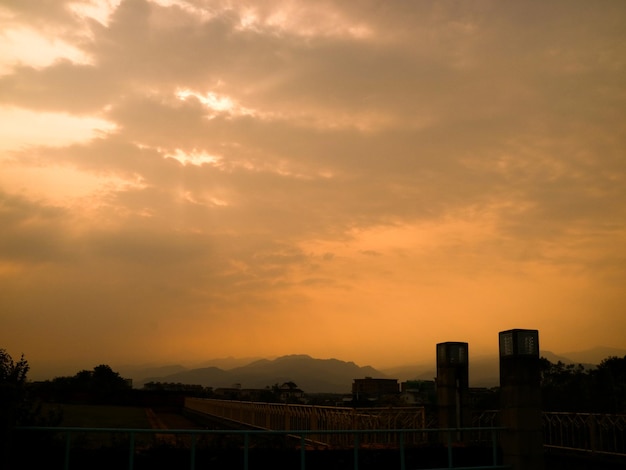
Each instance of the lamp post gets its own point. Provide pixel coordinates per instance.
(520, 408)
(452, 386)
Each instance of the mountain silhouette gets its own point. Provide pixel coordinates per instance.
(484, 369)
(594, 355)
(310, 374)
(205, 376)
(334, 375)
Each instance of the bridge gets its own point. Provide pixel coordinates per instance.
(582, 433)
(285, 417)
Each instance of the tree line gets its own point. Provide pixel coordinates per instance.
(572, 387)
(101, 385)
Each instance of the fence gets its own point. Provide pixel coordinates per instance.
(586, 432)
(299, 439)
(482, 421)
(589, 432)
(284, 417)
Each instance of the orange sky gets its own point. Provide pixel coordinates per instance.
(183, 180)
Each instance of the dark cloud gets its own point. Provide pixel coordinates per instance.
(62, 87)
(32, 233)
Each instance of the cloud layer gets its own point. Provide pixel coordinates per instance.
(187, 179)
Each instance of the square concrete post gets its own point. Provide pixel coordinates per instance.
(453, 387)
(520, 410)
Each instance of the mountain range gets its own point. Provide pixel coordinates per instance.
(329, 375)
(310, 374)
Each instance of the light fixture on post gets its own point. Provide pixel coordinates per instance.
(452, 353)
(519, 343)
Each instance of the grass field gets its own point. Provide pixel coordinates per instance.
(103, 416)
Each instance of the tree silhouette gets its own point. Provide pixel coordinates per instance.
(13, 402)
(610, 380)
(101, 385)
(17, 407)
(601, 389)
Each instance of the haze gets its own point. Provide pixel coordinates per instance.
(189, 179)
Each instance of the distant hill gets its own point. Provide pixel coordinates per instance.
(554, 358)
(141, 371)
(145, 373)
(594, 355)
(311, 375)
(331, 375)
(228, 363)
(484, 370)
(205, 376)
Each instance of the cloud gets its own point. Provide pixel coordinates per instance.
(32, 233)
(182, 168)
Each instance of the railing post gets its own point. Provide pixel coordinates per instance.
(246, 446)
(356, 451)
(449, 433)
(192, 464)
(313, 418)
(66, 463)
(402, 457)
(131, 451)
(592, 433)
(302, 450)
(494, 447)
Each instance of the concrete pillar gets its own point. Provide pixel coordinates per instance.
(520, 409)
(453, 387)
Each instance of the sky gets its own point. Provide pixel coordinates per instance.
(183, 180)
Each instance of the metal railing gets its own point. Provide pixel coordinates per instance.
(588, 432)
(583, 432)
(283, 417)
(482, 421)
(301, 440)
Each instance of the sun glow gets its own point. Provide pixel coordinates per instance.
(62, 185)
(215, 102)
(99, 10)
(305, 21)
(194, 157)
(24, 128)
(27, 47)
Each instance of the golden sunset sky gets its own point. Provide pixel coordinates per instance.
(183, 180)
